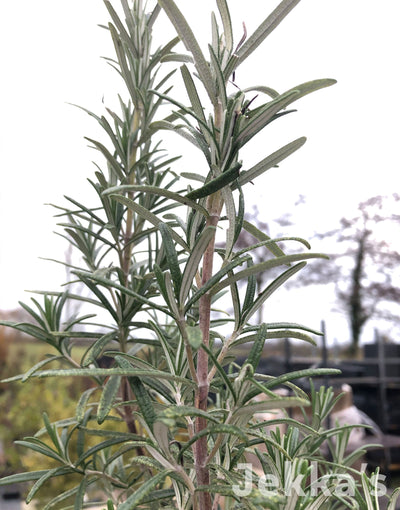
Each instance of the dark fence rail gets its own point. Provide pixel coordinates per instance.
(375, 378)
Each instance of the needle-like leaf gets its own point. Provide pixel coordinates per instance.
(191, 44)
(193, 262)
(264, 266)
(266, 27)
(227, 24)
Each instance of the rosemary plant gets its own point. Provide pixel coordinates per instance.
(172, 420)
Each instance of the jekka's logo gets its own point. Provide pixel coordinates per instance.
(338, 484)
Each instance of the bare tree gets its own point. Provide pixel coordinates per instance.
(365, 265)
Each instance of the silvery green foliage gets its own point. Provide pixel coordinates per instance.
(172, 420)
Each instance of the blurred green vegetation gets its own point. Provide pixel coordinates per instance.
(22, 406)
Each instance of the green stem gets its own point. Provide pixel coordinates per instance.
(127, 250)
(126, 261)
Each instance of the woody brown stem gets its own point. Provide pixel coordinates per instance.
(201, 452)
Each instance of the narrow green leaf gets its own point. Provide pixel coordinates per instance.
(193, 176)
(216, 184)
(39, 365)
(263, 116)
(264, 266)
(51, 431)
(195, 224)
(269, 162)
(235, 296)
(366, 491)
(298, 374)
(285, 325)
(214, 280)
(201, 139)
(188, 133)
(59, 309)
(25, 477)
(116, 141)
(89, 280)
(145, 489)
(143, 399)
(32, 312)
(240, 214)
(177, 57)
(63, 424)
(231, 65)
(95, 350)
(261, 236)
(120, 26)
(287, 421)
(266, 27)
(222, 428)
(40, 447)
(161, 281)
(163, 192)
(114, 440)
(61, 497)
(110, 284)
(270, 242)
(31, 330)
(193, 262)
(168, 351)
(277, 333)
(109, 157)
(319, 502)
(172, 302)
(220, 78)
(230, 209)
(226, 23)
(105, 372)
(172, 257)
(250, 292)
(268, 405)
(122, 60)
(180, 114)
(79, 498)
(310, 86)
(58, 471)
(152, 18)
(107, 398)
(185, 33)
(263, 89)
(215, 37)
(166, 50)
(90, 233)
(75, 297)
(82, 404)
(147, 215)
(393, 499)
(162, 495)
(193, 95)
(257, 348)
(174, 412)
(221, 372)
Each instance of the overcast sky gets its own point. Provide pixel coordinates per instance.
(50, 55)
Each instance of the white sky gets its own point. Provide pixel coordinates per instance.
(50, 53)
